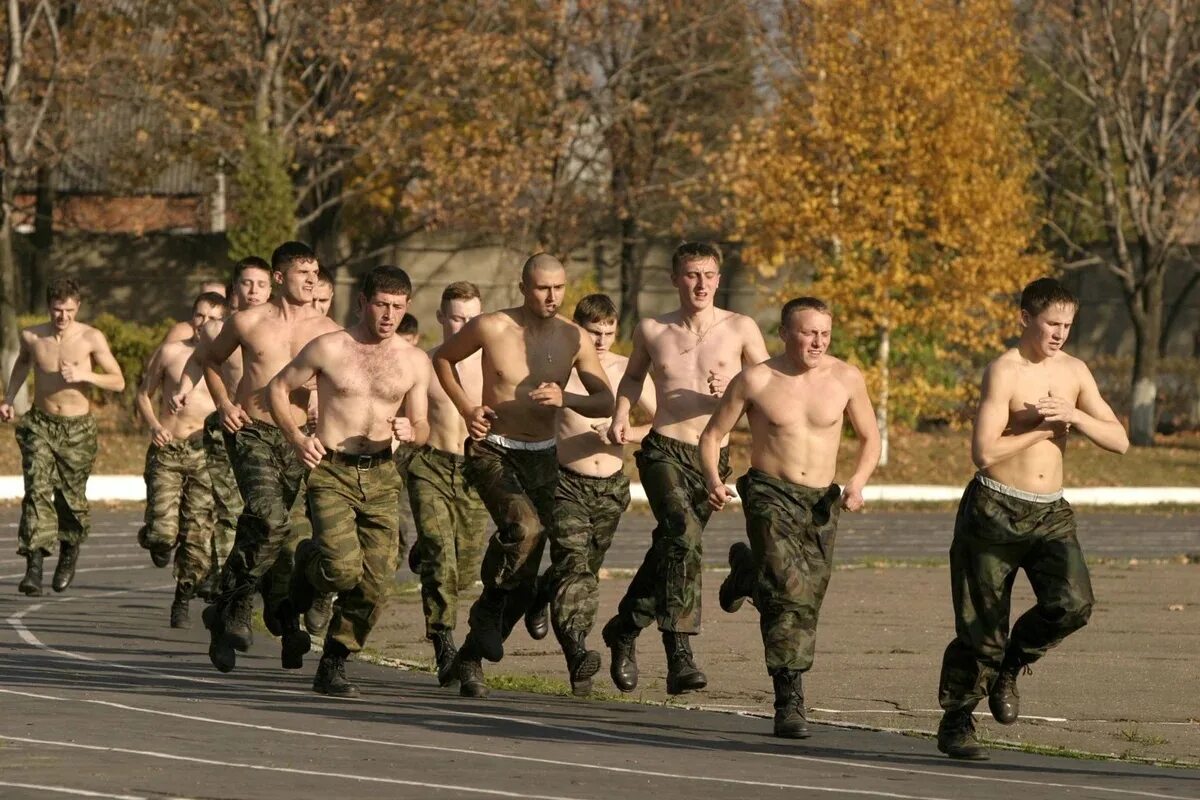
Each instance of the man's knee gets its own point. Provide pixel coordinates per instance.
(1075, 613)
(342, 573)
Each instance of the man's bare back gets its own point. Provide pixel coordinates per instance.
(447, 430)
(64, 366)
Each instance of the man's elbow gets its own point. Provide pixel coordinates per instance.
(981, 458)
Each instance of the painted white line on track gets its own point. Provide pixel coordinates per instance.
(32, 639)
(78, 792)
(6, 563)
(342, 776)
(86, 570)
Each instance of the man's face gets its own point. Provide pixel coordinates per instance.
(544, 292)
(323, 298)
(253, 288)
(298, 281)
(62, 313)
(382, 312)
(697, 283)
(602, 334)
(1048, 331)
(456, 314)
(205, 313)
(806, 336)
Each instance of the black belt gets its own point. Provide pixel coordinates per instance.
(359, 460)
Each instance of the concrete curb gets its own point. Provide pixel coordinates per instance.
(133, 488)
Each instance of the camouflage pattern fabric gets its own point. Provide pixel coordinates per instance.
(666, 587)
(451, 522)
(57, 454)
(227, 500)
(402, 456)
(517, 488)
(994, 536)
(791, 530)
(269, 477)
(587, 511)
(353, 513)
(179, 507)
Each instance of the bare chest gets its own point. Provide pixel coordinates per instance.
(680, 358)
(375, 376)
(517, 359)
(272, 346)
(50, 354)
(809, 405)
(1035, 383)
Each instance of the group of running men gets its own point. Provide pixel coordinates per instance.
(282, 445)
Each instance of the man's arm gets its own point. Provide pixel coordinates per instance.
(989, 444)
(629, 390)
(151, 383)
(729, 410)
(110, 379)
(413, 427)
(598, 402)
(754, 351)
(16, 380)
(862, 418)
(648, 403)
(453, 350)
(1090, 414)
(299, 371)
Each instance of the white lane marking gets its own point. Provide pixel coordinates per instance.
(32, 639)
(915, 711)
(88, 569)
(287, 770)
(68, 790)
(98, 557)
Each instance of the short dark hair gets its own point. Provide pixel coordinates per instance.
(212, 298)
(459, 290)
(688, 252)
(249, 262)
(63, 289)
(290, 253)
(323, 276)
(595, 308)
(798, 304)
(1043, 293)
(539, 261)
(386, 279)
(409, 325)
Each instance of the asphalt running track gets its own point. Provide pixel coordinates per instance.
(99, 698)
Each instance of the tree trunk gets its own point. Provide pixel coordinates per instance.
(881, 408)
(1147, 328)
(43, 241)
(10, 342)
(631, 278)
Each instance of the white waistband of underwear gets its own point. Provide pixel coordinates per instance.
(517, 444)
(1009, 491)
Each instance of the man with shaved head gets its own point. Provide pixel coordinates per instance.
(528, 354)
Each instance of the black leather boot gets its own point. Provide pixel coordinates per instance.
(682, 673)
(582, 663)
(331, 672)
(444, 651)
(295, 640)
(1003, 700)
(790, 722)
(64, 572)
(956, 736)
(470, 676)
(31, 584)
(622, 644)
(180, 617)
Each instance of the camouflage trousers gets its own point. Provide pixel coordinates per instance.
(517, 488)
(996, 535)
(450, 521)
(791, 530)
(227, 500)
(586, 513)
(179, 507)
(57, 454)
(353, 511)
(666, 587)
(273, 520)
(402, 455)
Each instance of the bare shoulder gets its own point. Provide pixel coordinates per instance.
(758, 376)
(34, 332)
(93, 336)
(845, 372)
(1003, 370)
(493, 322)
(322, 325)
(743, 324)
(247, 319)
(172, 351)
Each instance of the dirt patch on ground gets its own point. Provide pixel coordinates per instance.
(1123, 686)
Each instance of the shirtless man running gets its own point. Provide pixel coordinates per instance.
(1012, 516)
(690, 354)
(179, 492)
(366, 377)
(592, 494)
(182, 331)
(268, 473)
(795, 403)
(528, 355)
(57, 436)
(449, 516)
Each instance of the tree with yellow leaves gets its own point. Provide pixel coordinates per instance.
(894, 165)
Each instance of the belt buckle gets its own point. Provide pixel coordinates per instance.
(364, 462)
